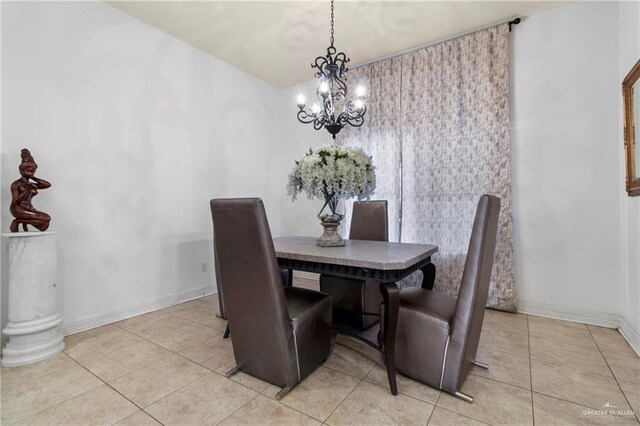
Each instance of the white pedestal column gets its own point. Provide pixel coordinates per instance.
(33, 327)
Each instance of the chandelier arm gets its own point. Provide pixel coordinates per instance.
(341, 60)
(319, 122)
(353, 120)
(353, 111)
(328, 106)
(356, 121)
(363, 111)
(340, 76)
(305, 117)
(342, 119)
(341, 91)
(320, 63)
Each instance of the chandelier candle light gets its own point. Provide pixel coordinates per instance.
(333, 110)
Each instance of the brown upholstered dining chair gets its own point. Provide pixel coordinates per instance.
(285, 275)
(352, 298)
(279, 334)
(437, 335)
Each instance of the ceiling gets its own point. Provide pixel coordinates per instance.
(276, 41)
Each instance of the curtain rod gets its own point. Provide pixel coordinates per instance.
(515, 21)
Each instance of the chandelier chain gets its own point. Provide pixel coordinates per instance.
(331, 23)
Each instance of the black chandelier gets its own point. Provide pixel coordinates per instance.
(332, 111)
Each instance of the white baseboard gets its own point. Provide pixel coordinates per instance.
(569, 314)
(630, 335)
(585, 316)
(75, 326)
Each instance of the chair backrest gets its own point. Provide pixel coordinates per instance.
(369, 221)
(223, 311)
(472, 296)
(256, 308)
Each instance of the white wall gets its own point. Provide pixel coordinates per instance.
(629, 51)
(565, 158)
(576, 232)
(136, 131)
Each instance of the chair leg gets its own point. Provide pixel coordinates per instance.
(235, 370)
(285, 390)
(226, 332)
(464, 397)
(481, 365)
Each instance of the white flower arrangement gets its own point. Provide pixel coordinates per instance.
(329, 173)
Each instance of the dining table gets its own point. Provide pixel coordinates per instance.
(378, 261)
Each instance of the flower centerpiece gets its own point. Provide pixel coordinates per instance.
(331, 173)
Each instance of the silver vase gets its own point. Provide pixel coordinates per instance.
(330, 236)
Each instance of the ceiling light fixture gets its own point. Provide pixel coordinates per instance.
(333, 110)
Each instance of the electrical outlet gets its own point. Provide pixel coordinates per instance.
(205, 267)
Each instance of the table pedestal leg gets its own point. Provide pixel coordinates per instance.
(391, 297)
(428, 276)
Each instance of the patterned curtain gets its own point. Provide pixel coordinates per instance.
(438, 128)
(380, 135)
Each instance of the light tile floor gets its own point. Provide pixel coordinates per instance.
(167, 367)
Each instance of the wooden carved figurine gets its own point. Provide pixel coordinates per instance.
(22, 191)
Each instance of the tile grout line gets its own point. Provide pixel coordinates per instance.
(61, 402)
(197, 363)
(190, 360)
(386, 387)
(567, 401)
(546, 339)
(502, 350)
(343, 400)
(493, 329)
(501, 382)
(551, 339)
(103, 381)
(541, 392)
(347, 374)
(118, 392)
(293, 408)
(596, 351)
(435, 405)
(211, 371)
(240, 407)
(533, 410)
(163, 397)
(150, 415)
(481, 378)
(182, 387)
(564, 400)
(614, 376)
(462, 415)
(183, 357)
(575, 370)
